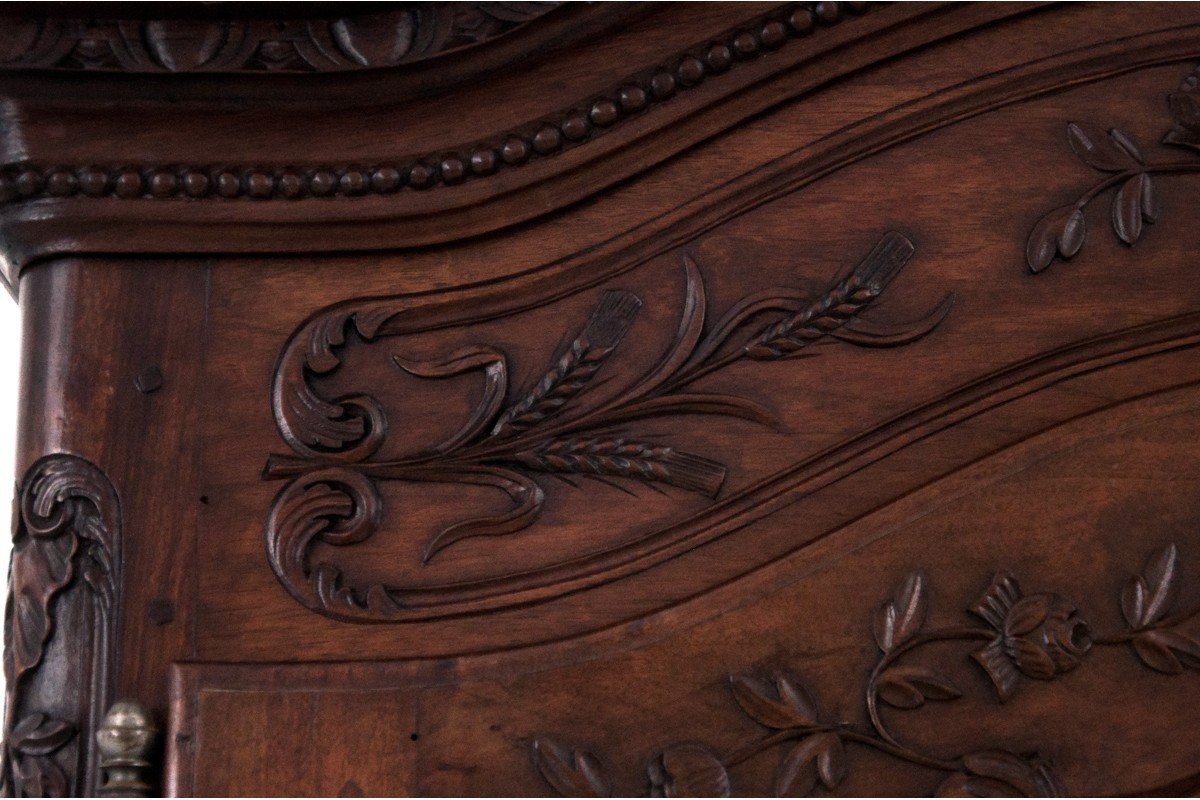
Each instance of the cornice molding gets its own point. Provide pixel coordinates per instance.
(565, 129)
(213, 40)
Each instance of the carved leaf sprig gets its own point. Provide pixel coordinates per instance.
(908, 687)
(781, 705)
(897, 623)
(1061, 233)
(1145, 602)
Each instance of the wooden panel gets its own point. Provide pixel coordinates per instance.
(638, 398)
(275, 742)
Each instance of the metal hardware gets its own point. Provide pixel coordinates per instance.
(126, 738)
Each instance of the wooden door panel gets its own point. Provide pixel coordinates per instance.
(648, 398)
(1103, 498)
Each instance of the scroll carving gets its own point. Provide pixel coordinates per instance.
(551, 429)
(66, 551)
(1017, 637)
(1061, 233)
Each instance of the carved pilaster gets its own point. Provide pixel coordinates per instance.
(64, 586)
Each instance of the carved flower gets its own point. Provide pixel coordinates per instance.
(688, 770)
(1039, 636)
(1185, 108)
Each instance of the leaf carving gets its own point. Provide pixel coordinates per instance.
(526, 496)
(1162, 572)
(1058, 234)
(1167, 651)
(40, 735)
(1133, 203)
(899, 619)
(789, 706)
(1126, 143)
(1133, 601)
(495, 383)
(821, 755)
(910, 687)
(572, 773)
(690, 770)
(1099, 149)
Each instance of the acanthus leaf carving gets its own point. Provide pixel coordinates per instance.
(556, 427)
(1039, 635)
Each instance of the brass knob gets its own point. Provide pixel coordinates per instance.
(125, 739)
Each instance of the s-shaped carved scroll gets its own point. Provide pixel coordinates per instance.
(552, 428)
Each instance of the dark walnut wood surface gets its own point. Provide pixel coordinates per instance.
(689, 399)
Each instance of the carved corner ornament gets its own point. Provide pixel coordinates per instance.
(1017, 637)
(66, 550)
(1061, 233)
(552, 429)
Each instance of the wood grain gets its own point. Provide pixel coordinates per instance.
(625, 398)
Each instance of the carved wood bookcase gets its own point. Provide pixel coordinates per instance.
(588, 399)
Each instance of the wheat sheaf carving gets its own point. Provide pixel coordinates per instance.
(556, 428)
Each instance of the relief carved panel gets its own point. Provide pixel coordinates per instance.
(552, 428)
(1015, 637)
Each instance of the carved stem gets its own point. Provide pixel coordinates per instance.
(1173, 168)
(847, 733)
(1125, 637)
(958, 633)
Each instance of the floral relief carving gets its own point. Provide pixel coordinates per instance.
(1037, 636)
(551, 429)
(1061, 233)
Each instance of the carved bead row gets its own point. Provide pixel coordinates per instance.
(510, 150)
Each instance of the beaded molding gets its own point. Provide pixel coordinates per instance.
(570, 128)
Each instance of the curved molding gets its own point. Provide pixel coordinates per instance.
(222, 44)
(68, 536)
(34, 230)
(562, 130)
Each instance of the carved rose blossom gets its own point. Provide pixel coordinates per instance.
(1039, 636)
